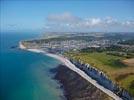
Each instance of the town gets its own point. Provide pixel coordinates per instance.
(81, 41)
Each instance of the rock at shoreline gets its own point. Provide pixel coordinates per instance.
(77, 88)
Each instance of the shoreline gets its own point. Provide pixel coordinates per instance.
(72, 67)
(75, 87)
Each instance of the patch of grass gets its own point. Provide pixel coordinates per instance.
(116, 63)
(128, 84)
(122, 76)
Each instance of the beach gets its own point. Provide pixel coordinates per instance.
(71, 66)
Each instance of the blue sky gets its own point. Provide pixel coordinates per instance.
(67, 15)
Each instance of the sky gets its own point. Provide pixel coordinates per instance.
(67, 15)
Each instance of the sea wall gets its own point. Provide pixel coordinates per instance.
(102, 79)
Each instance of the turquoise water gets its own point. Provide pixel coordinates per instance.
(25, 75)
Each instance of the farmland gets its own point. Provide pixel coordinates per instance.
(115, 67)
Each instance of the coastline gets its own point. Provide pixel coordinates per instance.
(72, 67)
(75, 87)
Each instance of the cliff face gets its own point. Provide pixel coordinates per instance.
(103, 79)
(77, 88)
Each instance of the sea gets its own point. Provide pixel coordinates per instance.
(26, 75)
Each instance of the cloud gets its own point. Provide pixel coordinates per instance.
(63, 18)
(128, 23)
(70, 22)
(93, 21)
(12, 25)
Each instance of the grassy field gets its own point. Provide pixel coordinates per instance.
(113, 66)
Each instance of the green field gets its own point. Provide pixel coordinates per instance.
(111, 65)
